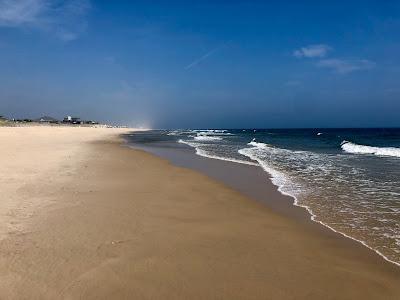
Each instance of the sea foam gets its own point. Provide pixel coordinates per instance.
(307, 176)
(286, 167)
(362, 149)
(206, 138)
(204, 153)
(258, 145)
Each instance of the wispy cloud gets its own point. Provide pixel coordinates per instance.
(15, 13)
(65, 19)
(342, 66)
(205, 56)
(312, 51)
(346, 66)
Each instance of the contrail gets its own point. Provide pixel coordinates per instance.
(205, 56)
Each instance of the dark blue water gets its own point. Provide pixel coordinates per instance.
(348, 179)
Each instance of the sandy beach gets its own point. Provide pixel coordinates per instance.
(84, 217)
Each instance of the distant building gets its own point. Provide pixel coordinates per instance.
(90, 122)
(72, 120)
(67, 119)
(22, 120)
(47, 119)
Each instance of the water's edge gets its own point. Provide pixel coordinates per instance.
(190, 158)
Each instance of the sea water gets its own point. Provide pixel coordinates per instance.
(348, 179)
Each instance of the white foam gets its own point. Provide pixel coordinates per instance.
(362, 149)
(205, 138)
(265, 155)
(214, 132)
(284, 186)
(210, 130)
(278, 178)
(258, 145)
(204, 153)
(173, 133)
(180, 132)
(219, 130)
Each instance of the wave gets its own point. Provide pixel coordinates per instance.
(179, 132)
(277, 178)
(262, 153)
(362, 149)
(212, 132)
(208, 133)
(258, 144)
(174, 133)
(204, 153)
(205, 138)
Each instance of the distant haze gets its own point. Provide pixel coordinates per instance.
(203, 64)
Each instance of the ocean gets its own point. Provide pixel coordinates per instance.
(347, 179)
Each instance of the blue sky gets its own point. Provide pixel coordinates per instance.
(179, 64)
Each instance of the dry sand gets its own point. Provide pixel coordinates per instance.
(33, 160)
(84, 218)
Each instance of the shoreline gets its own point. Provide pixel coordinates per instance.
(124, 223)
(158, 151)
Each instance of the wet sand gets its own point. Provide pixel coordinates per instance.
(117, 223)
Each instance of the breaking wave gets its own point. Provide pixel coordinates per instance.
(205, 153)
(307, 178)
(362, 149)
(206, 138)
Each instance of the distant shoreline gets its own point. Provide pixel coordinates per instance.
(43, 124)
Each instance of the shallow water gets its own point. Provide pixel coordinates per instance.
(348, 179)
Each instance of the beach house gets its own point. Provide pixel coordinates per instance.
(72, 120)
(47, 119)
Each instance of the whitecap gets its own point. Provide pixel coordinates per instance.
(286, 168)
(363, 149)
(205, 138)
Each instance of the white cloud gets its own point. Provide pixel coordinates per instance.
(19, 12)
(312, 51)
(63, 18)
(346, 66)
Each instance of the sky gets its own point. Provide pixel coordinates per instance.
(202, 64)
